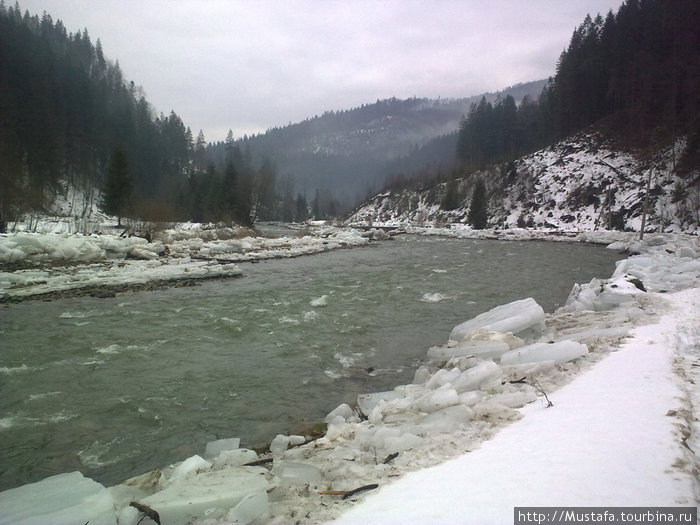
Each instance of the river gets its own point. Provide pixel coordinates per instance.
(116, 387)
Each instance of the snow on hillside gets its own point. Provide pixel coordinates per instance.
(582, 183)
(618, 362)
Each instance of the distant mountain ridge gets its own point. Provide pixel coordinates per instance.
(347, 152)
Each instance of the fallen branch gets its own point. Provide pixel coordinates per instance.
(539, 388)
(349, 493)
(147, 512)
(391, 457)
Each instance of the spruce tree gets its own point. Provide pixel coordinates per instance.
(451, 199)
(478, 209)
(116, 195)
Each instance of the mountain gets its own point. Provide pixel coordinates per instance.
(588, 181)
(350, 152)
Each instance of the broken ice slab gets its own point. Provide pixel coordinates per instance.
(296, 473)
(210, 495)
(251, 507)
(63, 499)
(214, 448)
(478, 376)
(279, 444)
(234, 458)
(190, 467)
(560, 352)
(446, 420)
(523, 318)
(483, 349)
(443, 397)
(343, 411)
(366, 402)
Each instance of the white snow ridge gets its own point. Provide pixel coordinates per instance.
(593, 405)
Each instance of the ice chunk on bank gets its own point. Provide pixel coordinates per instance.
(476, 377)
(189, 467)
(344, 412)
(484, 349)
(251, 507)
(63, 499)
(234, 458)
(523, 318)
(214, 448)
(297, 473)
(366, 402)
(279, 444)
(560, 352)
(209, 495)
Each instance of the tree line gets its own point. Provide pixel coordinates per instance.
(68, 117)
(638, 69)
(634, 72)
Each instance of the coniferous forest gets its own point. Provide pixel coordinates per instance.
(637, 71)
(69, 117)
(68, 114)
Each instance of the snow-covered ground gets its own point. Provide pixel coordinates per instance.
(472, 436)
(36, 264)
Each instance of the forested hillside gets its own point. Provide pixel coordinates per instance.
(631, 80)
(346, 154)
(639, 69)
(68, 114)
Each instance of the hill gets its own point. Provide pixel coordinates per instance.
(584, 182)
(352, 151)
(613, 133)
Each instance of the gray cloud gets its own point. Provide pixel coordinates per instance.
(248, 65)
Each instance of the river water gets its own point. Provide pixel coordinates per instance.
(116, 387)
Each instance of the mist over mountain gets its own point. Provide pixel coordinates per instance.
(349, 153)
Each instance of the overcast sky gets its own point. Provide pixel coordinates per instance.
(248, 65)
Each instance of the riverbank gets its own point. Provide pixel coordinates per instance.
(623, 434)
(52, 265)
(469, 390)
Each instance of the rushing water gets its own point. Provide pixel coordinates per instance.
(115, 387)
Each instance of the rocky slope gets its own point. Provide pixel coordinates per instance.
(582, 183)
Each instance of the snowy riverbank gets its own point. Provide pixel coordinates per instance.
(41, 265)
(624, 427)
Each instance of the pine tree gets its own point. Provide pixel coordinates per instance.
(451, 199)
(116, 195)
(478, 216)
(302, 209)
